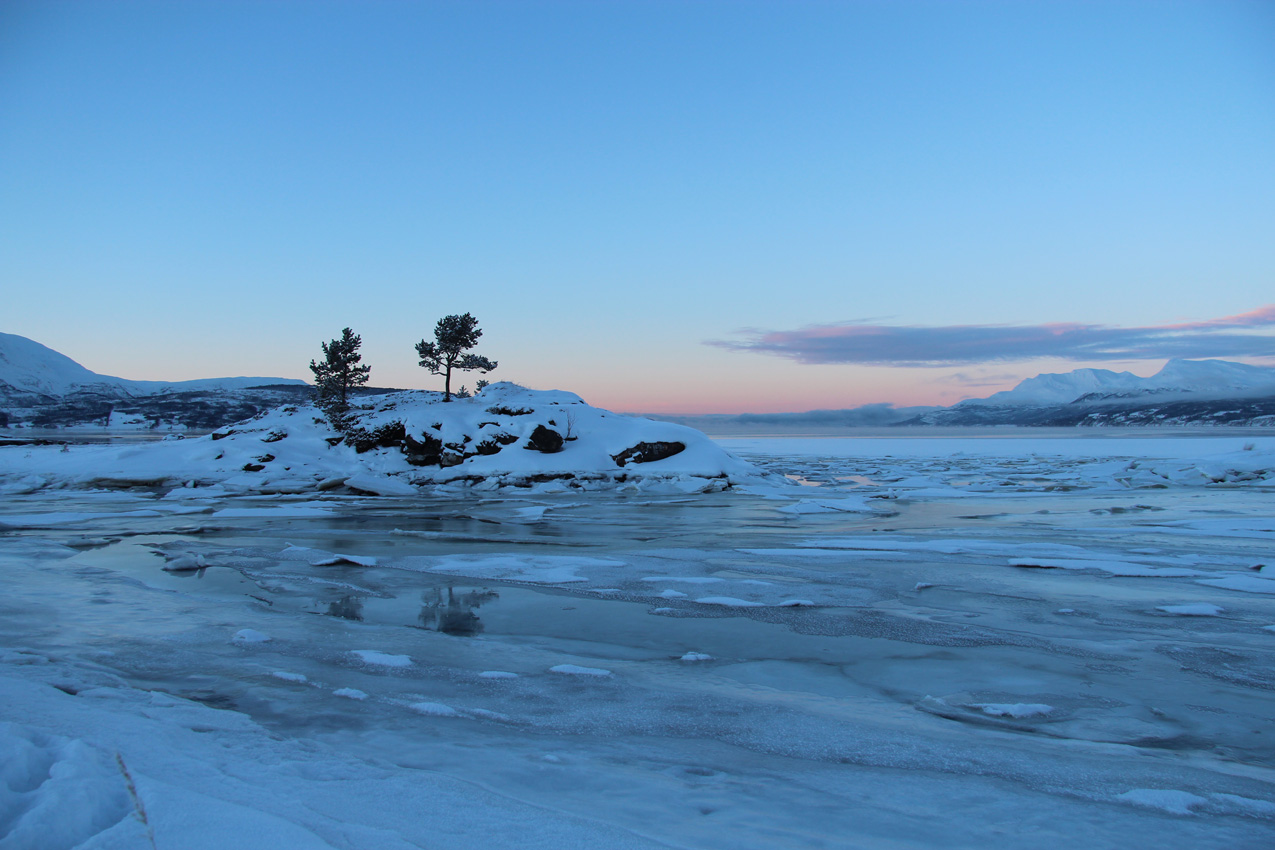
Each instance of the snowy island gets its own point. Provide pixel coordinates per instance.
(399, 443)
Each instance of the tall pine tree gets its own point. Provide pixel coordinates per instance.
(453, 335)
(336, 375)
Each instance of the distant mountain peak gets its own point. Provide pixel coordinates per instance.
(1177, 375)
(29, 367)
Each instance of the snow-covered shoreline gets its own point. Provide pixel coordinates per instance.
(405, 441)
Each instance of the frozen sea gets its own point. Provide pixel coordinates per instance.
(1037, 642)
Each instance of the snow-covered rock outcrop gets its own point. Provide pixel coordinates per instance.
(406, 442)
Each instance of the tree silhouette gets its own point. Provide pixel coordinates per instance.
(453, 336)
(337, 375)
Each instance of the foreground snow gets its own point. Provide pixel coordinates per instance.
(925, 651)
(401, 442)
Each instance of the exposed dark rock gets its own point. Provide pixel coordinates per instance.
(488, 447)
(447, 459)
(542, 477)
(501, 410)
(274, 436)
(648, 452)
(25, 441)
(253, 467)
(544, 440)
(389, 435)
(424, 452)
(335, 441)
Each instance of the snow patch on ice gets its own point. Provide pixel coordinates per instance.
(1015, 710)
(380, 659)
(1247, 805)
(350, 693)
(728, 602)
(1192, 609)
(575, 670)
(434, 709)
(1165, 799)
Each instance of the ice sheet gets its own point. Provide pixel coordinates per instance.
(1002, 639)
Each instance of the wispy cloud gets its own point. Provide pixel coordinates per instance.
(967, 380)
(1244, 335)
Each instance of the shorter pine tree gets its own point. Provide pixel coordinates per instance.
(337, 375)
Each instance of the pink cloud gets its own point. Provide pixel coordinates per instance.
(911, 345)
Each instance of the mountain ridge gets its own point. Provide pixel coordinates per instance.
(43, 388)
(1216, 377)
(27, 366)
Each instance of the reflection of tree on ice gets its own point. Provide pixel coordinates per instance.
(347, 608)
(455, 614)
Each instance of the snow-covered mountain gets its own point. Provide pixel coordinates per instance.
(30, 369)
(1184, 392)
(1060, 388)
(1214, 378)
(42, 388)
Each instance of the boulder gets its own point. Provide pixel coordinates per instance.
(647, 452)
(544, 440)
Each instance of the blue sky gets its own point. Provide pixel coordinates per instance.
(641, 201)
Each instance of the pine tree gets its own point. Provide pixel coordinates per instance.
(337, 375)
(453, 335)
